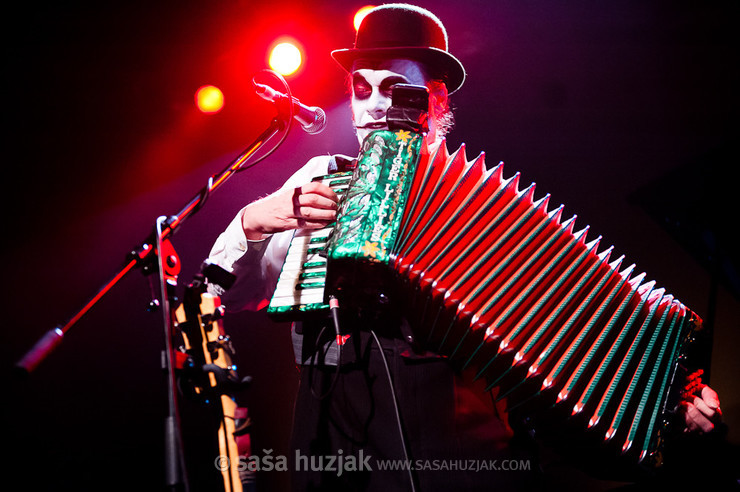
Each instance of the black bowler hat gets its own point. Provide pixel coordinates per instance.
(399, 30)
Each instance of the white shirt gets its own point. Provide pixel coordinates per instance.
(257, 264)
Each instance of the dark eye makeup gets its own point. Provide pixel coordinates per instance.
(362, 89)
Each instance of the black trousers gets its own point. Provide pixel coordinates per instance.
(452, 434)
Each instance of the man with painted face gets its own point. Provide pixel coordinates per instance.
(441, 414)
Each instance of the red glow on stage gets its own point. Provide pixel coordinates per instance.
(360, 14)
(209, 99)
(285, 58)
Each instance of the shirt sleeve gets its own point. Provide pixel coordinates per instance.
(257, 264)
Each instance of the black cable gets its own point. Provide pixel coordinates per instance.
(204, 194)
(398, 413)
(289, 122)
(334, 307)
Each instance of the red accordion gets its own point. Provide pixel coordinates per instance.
(500, 283)
(491, 278)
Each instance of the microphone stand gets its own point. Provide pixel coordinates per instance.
(144, 257)
(175, 469)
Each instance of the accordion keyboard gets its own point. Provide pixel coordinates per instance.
(300, 287)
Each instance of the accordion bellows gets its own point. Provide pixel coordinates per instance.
(492, 274)
(490, 277)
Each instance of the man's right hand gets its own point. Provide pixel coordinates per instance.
(311, 206)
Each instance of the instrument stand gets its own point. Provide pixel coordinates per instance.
(158, 246)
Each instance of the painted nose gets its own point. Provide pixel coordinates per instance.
(378, 104)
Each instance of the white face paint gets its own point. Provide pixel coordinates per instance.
(371, 91)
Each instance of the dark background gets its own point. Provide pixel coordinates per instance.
(625, 112)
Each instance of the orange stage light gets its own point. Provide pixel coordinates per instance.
(360, 14)
(209, 99)
(285, 58)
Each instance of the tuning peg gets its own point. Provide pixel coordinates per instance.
(216, 315)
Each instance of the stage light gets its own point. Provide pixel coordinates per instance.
(209, 99)
(360, 14)
(285, 58)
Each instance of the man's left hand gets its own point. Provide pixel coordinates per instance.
(701, 413)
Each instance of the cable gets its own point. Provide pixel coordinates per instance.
(334, 306)
(398, 413)
(287, 129)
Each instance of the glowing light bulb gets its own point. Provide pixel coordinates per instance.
(209, 99)
(285, 58)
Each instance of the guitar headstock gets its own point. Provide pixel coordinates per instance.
(207, 352)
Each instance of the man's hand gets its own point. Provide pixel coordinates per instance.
(702, 412)
(311, 206)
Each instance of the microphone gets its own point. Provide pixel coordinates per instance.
(312, 119)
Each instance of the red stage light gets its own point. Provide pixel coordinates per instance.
(360, 14)
(285, 58)
(209, 99)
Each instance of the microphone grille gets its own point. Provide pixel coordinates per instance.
(318, 124)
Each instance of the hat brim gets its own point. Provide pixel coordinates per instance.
(441, 64)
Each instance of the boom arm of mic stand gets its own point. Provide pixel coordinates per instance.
(142, 255)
